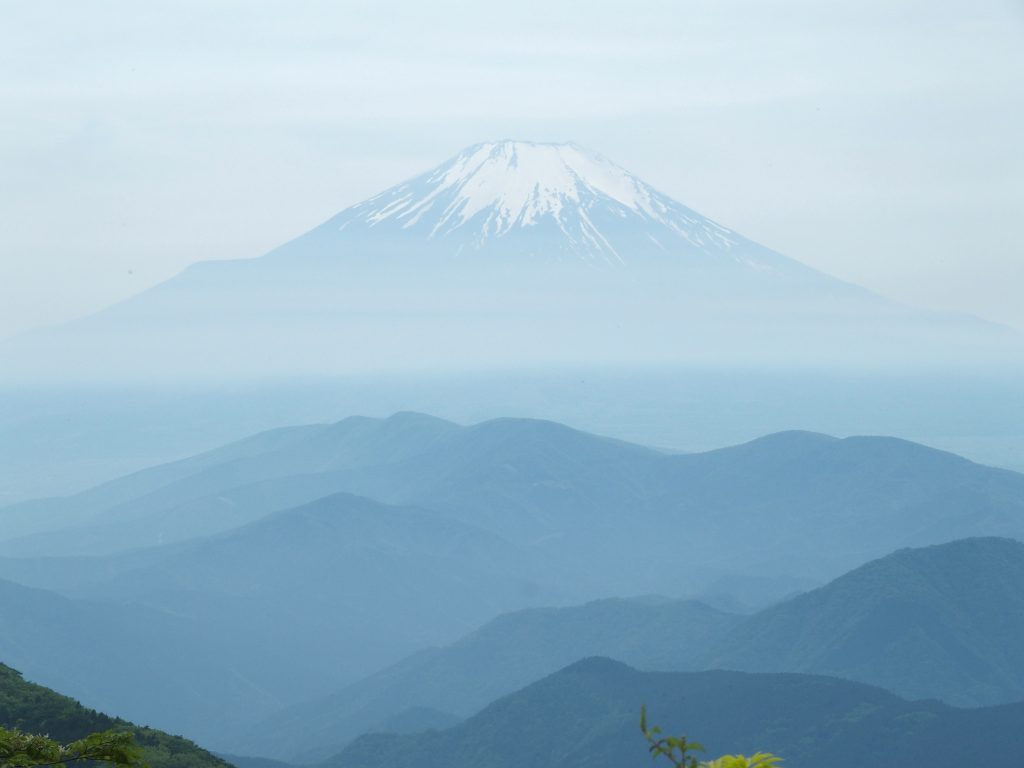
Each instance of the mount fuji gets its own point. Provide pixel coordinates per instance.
(522, 200)
(509, 254)
(521, 204)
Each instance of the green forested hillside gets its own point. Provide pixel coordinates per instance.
(588, 713)
(35, 709)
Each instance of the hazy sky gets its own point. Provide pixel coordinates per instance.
(877, 140)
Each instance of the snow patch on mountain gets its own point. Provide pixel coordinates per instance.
(546, 198)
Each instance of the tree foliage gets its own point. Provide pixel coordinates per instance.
(678, 749)
(757, 760)
(28, 750)
(27, 708)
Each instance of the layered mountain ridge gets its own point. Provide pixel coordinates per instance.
(218, 554)
(941, 622)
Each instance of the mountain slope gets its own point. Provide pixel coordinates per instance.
(509, 254)
(554, 202)
(587, 714)
(215, 490)
(502, 656)
(35, 709)
(776, 504)
(339, 544)
(942, 622)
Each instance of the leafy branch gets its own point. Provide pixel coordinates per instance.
(29, 750)
(677, 750)
(674, 748)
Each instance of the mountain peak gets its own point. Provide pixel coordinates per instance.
(522, 181)
(549, 199)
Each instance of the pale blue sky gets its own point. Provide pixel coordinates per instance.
(878, 140)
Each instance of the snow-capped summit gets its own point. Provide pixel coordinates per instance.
(558, 201)
(513, 184)
(518, 182)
